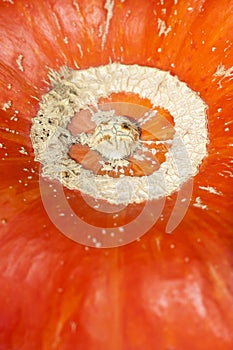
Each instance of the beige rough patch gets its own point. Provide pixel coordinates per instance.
(74, 90)
(198, 203)
(221, 71)
(7, 105)
(19, 62)
(109, 4)
(163, 29)
(211, 189)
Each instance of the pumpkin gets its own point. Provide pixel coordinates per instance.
(167, 289)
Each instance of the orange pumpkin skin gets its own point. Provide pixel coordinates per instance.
(161, 292)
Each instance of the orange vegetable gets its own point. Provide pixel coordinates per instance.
(170, 291)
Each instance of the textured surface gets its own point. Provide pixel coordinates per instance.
(164, 291)
(76, 90)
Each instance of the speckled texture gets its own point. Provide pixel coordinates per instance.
(76, 90)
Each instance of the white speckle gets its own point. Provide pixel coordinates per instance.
(76, 6)
(73, 326)
(159, 49)
(226, 129)
(112, 234)
(104, 232)
(23, 151)
(203, 42)
(163, 29)
(109, 4)
(14, 118)
(221, 71)
(76, 64)
(61, 214)
(13, 131)
(190, 9)
(35, 98)
(226, 173)
(211, 190)
(19, 62)
(219, 110)
(56, 21)
(121, 229)
(9, 1)
(80, 49)
(172, 246)
(213, 48)
(7, 105)
(9, 86)
(66, 40)
(98, 245)
(198, 204)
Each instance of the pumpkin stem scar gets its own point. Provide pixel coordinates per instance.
(109, 148)
(114, 139)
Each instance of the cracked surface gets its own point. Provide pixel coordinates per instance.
(74, 91)
(115, 139)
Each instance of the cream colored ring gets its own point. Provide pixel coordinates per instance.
(74, 90)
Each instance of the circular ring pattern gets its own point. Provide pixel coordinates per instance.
(75, 90)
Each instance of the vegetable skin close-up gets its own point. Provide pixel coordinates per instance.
(164, 290)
